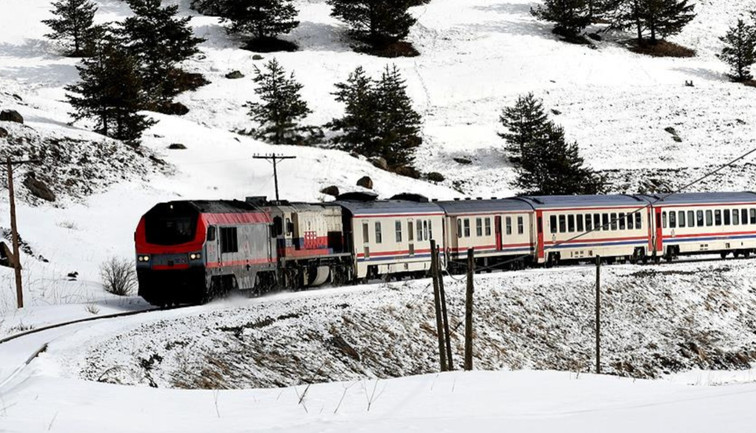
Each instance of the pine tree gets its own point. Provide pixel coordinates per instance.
(658, 18)
(73, 22)
(264, 19)
(740, 50)
(376, 22)
(281, 108)
(571, 17)
(159, 40)
(359, 125)
(525, 122)
(110, 91)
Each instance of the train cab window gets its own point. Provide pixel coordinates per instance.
(614, 221)
(588, 223)
(378, 233)
(467, 227)
(459, 228)
(630, 221)
(562, 224)
(479, 227)
(709, 218)
(425, 230)
(579, 222)
(211, 233)
(571, 223)
(229, 243)
(488, 226)
(411, 231)
(681, 219)
(398, 231)
(597, 222)
(509, 225)
(735, 217)
(520, 225)
(718, 217)
(604, 221)
(553, 223)
(699, 218)
(664, 220)
(753, 216)
(638, 221)
(726, 217)
(621, 221)
(672, 219)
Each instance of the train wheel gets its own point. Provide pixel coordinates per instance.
(723, 255)
(747, 254)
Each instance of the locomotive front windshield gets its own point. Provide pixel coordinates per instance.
(170, 225)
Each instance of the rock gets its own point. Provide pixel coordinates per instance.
(330, 190)
(344, 347)
(17, 98)
(257, 57)
(379, 162)
(73, 276)
(38, 188)
(556, 112)
(677, 138)
(671, 130)
(435, 177)
(595, 36)
(176, 146)
(365, 182)
(176, 108)
(408, 171)
(11, 116)
(233, 75)
(3, 132)
(463, 161)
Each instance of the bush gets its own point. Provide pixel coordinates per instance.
(118, 276)
(436, 177)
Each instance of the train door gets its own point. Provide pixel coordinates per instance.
(212, 249)
(539, 235)
(411, 237)
(497, 231)
(659, 235)
(366, 239)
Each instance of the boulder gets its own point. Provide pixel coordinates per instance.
(330, 190)
(463, 161)
(379, 162)
(3, 132)
(175, 108)
(176, 146)
(365, 182)
(408, 171)
(38, 188)
(435, 176)
(11, 116)
(257, 57)
(233, 75)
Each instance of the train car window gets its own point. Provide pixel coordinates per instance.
(467, 227)
(753, 216)
(672, 219)
(699, 218)
(604, 221)
(509, 225)
(488, 226)
(229, 241)
(614, 221)
(520, 225)
(579, 222)
(211, 233)
(681, 219)
(630, 221)
(709, 218)
(638, 221)
(691, 218)
(588, 222)
(411, 231)
(365, 233)
(726, 215)
(425, 230)
(718, 217)
(420, 229)
(553, 223)
(562, 224)
(398, 230)
(459, 228)
(378, 233)
(479, 227)
(664, 220)
(571, 223)
(621, 221)
(735, 217)
(597, 222)
(744, 216)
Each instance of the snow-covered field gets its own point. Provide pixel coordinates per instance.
(477, 57)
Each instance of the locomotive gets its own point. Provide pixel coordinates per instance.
(193, 250)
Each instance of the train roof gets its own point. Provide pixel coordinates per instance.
(702, 198)
(569, 201)
(389, 207)
(217, 206)
(458, 207)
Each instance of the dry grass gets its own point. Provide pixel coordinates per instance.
(660, 49)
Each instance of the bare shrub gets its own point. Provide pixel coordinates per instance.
(118, 276)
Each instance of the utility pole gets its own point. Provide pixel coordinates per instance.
(598, 314)
(437, 304)
(14, 231)
(275, 158)
(442, 293)
(469, 310)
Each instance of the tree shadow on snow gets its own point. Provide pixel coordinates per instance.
(51, 74)
(703, 74)
(312, 36)
(514, 19)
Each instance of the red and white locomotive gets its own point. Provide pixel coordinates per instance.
(190, 251)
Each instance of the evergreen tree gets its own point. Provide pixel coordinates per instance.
(110, 91)
(159, 40)
(740, 50)
(571, 17)
(658, 18)
(376, 22)
(379, 120)
(264, 19)
(525, 122)
(281, 108)
(74, 19)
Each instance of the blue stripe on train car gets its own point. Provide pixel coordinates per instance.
(401, 256)
(707, 238)
(602, 244)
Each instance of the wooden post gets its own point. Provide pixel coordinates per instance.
(442, 292)
(14, 236)
(469, 310)
(598, 314)
(437, 301)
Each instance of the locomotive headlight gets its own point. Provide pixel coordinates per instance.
(195, 256)
(143, 258)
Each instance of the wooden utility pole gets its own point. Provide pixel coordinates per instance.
(16, 259)
(469, 310)
(598, 314)
(442, 292)
(437, 302)
(275, 158)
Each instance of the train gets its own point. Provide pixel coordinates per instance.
(191, 251)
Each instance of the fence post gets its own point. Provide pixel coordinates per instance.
(469, 310)
(437, 302)
(598, 314)
(442, 292)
